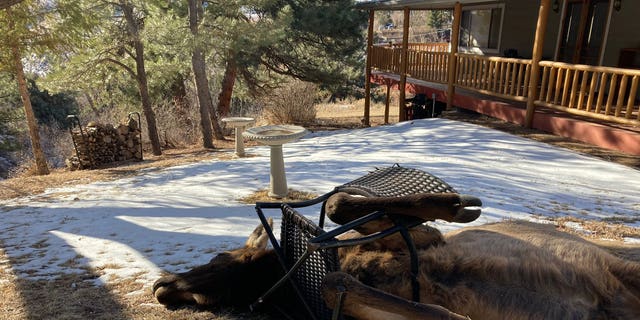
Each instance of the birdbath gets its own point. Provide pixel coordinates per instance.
(239, 123)
(275, 136)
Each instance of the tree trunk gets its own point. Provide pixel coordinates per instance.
(141, 77)
(224, 98)
(202, 82)
(202, 87)
(217, 130)
(41, 161)
(197, 63)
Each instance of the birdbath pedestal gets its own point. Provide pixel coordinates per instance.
(239, 123)
(275, 136)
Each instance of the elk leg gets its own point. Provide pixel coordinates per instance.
(342, 208)
(364, 302)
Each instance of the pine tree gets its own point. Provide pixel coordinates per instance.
(315, 41)
(14, 41)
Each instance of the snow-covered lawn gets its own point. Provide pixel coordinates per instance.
(175, 218)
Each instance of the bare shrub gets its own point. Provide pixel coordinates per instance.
(292, 103)
(56, 144)
(178, 127)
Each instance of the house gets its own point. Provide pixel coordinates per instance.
(571, 67)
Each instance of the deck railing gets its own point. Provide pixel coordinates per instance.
(503, 77)
(603, 93)
(426, 61)
(428, 66)
(386, 58)
(599, 92)
(430, 46)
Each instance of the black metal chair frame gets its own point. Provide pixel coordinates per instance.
(303, 241)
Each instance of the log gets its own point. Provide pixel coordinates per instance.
(342, 208)
(364, 302)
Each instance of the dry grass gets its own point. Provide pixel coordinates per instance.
(597, 229)
(606, 235)
(71, 297)
(345, 115)
(27, 185)
(350, 114)
(76, 297)
(292, 196)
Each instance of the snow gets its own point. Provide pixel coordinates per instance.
(175, 218)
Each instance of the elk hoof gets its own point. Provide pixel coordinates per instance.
(469, 209)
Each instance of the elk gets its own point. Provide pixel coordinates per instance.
(506, 270)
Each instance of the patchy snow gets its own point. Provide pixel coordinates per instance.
(175, 218)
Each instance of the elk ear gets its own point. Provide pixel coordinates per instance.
(259, 237)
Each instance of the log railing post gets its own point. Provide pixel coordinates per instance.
(367, 80)
(402, 116)
(453, 61)
(538, 44)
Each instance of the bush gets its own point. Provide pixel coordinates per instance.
(56, 144)
(292, 103)
(178, 127)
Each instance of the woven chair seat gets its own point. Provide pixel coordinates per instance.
(297, 230)
(396, 181)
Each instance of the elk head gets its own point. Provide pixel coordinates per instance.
(234, 278)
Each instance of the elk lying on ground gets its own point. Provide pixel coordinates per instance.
(508, 270)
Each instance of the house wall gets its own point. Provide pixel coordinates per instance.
(520, 20)
(519, 28)
(623, 31)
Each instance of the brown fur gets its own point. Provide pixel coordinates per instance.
(511, 270)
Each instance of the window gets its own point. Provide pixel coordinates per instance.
(480, 28)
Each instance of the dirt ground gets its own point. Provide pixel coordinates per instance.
(70, 297)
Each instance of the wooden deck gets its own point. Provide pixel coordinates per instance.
(609, 135)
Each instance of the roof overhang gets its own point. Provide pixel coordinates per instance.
(415, 4)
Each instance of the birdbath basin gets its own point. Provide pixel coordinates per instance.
(275, 136)
(239, 123)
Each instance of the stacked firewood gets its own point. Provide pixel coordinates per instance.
(100, 144)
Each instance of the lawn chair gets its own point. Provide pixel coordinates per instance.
(308, 253)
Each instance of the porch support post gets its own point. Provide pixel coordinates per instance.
(367, 80)
(386, 102)
(402, 115)
(538, 44)
(453, 61)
